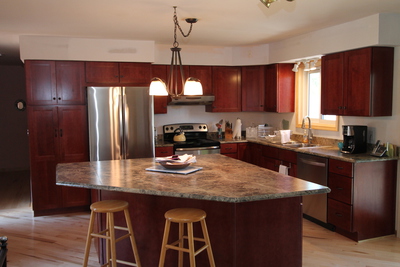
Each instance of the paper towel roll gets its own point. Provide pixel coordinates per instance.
(237, 129)
(283, 169)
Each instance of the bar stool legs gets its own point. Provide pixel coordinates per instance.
(186, 216)
(110, 207)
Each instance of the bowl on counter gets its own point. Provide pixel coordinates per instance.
(174, 165)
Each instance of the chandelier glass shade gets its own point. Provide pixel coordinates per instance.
(177, 85)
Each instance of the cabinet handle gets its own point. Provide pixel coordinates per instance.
(339, 167)
(54, 98)
(59, 98)
(61, 132)
(339, 214)
(339, 188)
(55, 133)
(228, 148)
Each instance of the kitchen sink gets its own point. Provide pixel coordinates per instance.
(302, 145)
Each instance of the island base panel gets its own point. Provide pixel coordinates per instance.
(258, 233)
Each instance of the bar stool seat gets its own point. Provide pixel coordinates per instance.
(186, 216)
(110, 207)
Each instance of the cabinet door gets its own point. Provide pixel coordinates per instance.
(279, 88)
(70, 82)
(244, 152)
(253, 88)
(160, 102)
(43, 134)
(357, 78)
(135, 74)
(227, 90)
(40, 82)
(102, 72)
(74, 147)
(204, 73)
(332, 84)
(73, 133)
(52, 132)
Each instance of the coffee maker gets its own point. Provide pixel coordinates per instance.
(354, 139)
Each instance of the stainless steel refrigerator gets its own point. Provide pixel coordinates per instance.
(120, 123)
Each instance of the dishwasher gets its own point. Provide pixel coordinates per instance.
(314, 169)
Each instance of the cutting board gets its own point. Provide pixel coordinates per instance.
(187, 170)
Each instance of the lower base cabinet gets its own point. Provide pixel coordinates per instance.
(362, 201)
(57, 134)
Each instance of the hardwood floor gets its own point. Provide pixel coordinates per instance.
(59, 241)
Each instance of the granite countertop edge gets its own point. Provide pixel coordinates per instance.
(198, 196)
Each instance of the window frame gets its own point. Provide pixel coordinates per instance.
(302, 88)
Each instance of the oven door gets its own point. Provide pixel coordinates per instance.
(198, 150)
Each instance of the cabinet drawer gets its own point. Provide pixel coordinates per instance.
(228, 148)
(341, 167)
(341, 188)
(271, 152)
(164, 151)
(288, 155)
(340, 214)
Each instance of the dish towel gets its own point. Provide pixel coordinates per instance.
(285, 136)
(283, 169)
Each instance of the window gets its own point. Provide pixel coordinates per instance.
(308, 102)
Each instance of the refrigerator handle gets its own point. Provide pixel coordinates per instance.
(121, 126)
(126, 127)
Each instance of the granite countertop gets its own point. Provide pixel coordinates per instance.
(222, 179)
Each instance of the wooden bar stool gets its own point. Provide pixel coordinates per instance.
(110, 207)
(186, 216)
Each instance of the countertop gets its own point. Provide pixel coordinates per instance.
(327, 151)
(222, 179)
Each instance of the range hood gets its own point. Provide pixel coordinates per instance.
(193, 100)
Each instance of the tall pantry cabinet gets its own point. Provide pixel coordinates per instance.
(57, 127)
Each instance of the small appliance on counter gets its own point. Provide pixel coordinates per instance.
(354, 139)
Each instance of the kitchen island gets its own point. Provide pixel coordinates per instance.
(254, 215)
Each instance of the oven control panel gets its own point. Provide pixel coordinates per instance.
(186, 127)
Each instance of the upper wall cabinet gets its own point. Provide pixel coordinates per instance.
(358, 82)
(55, 82)
(113, 73)
(204, 73)
(279, 88)
(226, 83)
(253, 88)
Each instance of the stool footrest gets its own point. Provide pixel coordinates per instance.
(174, 246)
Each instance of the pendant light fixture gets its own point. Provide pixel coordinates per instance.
(176, 77)
(268, 3)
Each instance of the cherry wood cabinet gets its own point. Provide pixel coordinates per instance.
(118, 73)
(362, 201)
(55, 82)
(273, 157)
(279, 88)
(358, 82)
(253, 88)
(56, 134)
(160, 102)
(230, 150)
(164, 151)
(204, 73)
(226, 89)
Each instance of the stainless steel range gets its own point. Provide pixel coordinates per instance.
(196, 142)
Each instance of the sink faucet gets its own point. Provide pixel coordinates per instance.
(309, 132)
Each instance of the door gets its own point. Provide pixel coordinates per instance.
(138, 139)
(105, 132)
(314, 169)
(253, 88)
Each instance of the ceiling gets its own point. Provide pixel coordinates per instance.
(221, 22)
